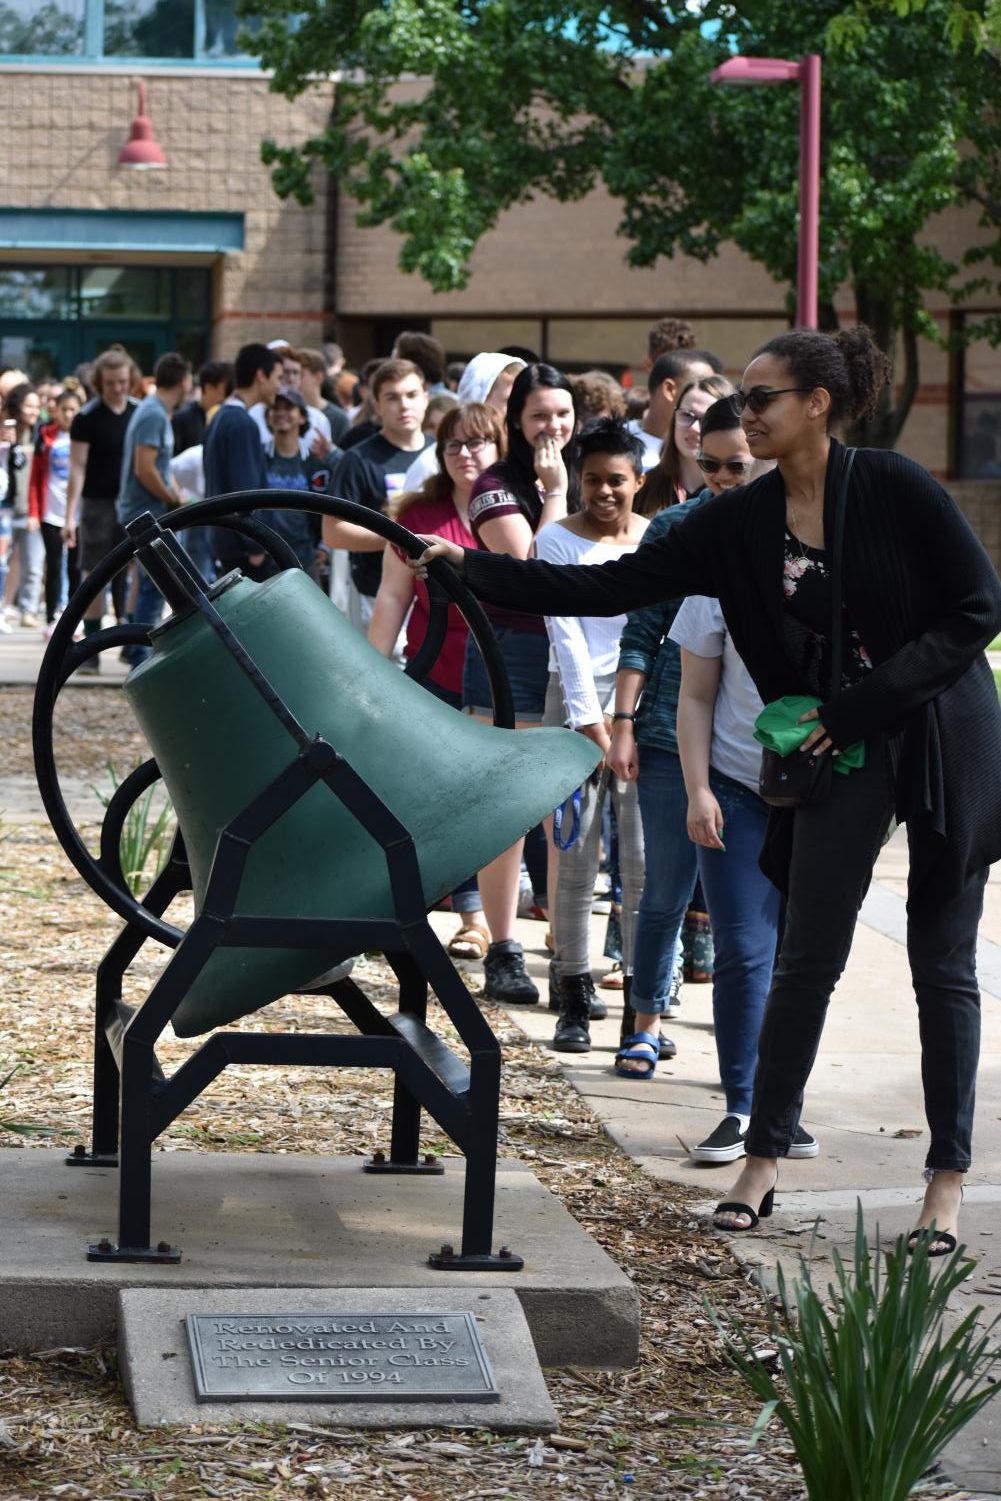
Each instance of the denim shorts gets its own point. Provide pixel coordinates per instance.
(526, 657)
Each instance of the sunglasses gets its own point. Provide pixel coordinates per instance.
(759, 397)
(739, 468)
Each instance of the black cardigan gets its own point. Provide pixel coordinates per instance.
(918, 588)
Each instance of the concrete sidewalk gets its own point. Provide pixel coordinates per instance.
(21, 652)
(864, 1101)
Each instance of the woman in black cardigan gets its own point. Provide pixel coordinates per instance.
(921, 600)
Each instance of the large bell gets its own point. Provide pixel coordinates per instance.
(465, 791)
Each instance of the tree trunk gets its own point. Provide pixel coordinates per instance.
(827, 318)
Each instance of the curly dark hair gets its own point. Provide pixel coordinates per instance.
(610, 435)
(669, 333)
(848, 364)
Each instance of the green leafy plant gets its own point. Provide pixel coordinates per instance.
(20, 1128)
(867, 1382)
(146, 834)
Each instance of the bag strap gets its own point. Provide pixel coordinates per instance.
(837, 607)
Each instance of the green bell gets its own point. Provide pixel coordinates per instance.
(465, 791)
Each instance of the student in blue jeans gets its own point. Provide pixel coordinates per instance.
(726, 820)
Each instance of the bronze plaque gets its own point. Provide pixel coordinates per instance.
(357, 1357)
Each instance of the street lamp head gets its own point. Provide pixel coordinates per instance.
(142, 149)
(756, 71)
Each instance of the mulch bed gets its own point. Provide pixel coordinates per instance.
(676, 1425)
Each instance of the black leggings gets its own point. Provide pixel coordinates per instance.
(834, 848)
(52, 536)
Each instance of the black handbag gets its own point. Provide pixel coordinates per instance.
(795, 781)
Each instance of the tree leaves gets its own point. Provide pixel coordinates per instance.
(450, 111)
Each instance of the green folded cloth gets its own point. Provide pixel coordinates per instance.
(776, 728)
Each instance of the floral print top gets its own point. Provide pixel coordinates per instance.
(806, 584)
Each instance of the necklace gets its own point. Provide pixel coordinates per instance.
(796, 534)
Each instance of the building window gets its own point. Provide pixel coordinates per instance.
(40, 292)
(978, 425)
(149, 28)
(154, 30)
(52, 318)
(53, 29)
(125, 292)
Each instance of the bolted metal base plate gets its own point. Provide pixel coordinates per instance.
(80, 1157)
(484, 1261)
(106, 1250)
(429, 1166)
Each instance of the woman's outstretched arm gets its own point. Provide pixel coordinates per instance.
(675, 564)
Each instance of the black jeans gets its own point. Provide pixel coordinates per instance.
(834, 848)
(52, 536)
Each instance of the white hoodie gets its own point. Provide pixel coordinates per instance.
(476, 384)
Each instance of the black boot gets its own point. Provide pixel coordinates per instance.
(572, 1034)
(598, 1010)
(598, 1007)
(668, 1049)
(507, 979)
(555, 988)
(628, 1025)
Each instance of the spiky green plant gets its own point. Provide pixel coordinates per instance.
(146, 834)
(870, 1386)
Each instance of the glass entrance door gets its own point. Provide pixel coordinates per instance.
(45, 349)
(54, 318)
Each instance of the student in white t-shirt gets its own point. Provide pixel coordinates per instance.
(583, 657)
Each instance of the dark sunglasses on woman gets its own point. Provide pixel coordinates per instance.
(739, 468)
(759, 397)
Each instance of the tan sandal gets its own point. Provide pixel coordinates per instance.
(614, 980)
(470, 942)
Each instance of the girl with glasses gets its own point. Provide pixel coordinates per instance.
(922, 598)
(678, 477)
(470, 438)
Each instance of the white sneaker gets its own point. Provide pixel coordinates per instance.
(803, 1144)
(725, 1144)
(673, 1007)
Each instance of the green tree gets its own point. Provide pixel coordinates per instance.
(522, 97)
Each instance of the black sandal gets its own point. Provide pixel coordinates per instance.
(927, 1232)
(731, 1206)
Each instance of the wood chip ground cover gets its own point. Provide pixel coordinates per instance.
(675, 1426)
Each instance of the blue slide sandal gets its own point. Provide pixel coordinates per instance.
(645, 1048)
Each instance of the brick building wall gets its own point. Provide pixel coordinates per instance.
(554, 277)
(71, 124)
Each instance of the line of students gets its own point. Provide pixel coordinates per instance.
(922, 600)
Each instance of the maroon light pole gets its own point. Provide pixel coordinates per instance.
(806, 72)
